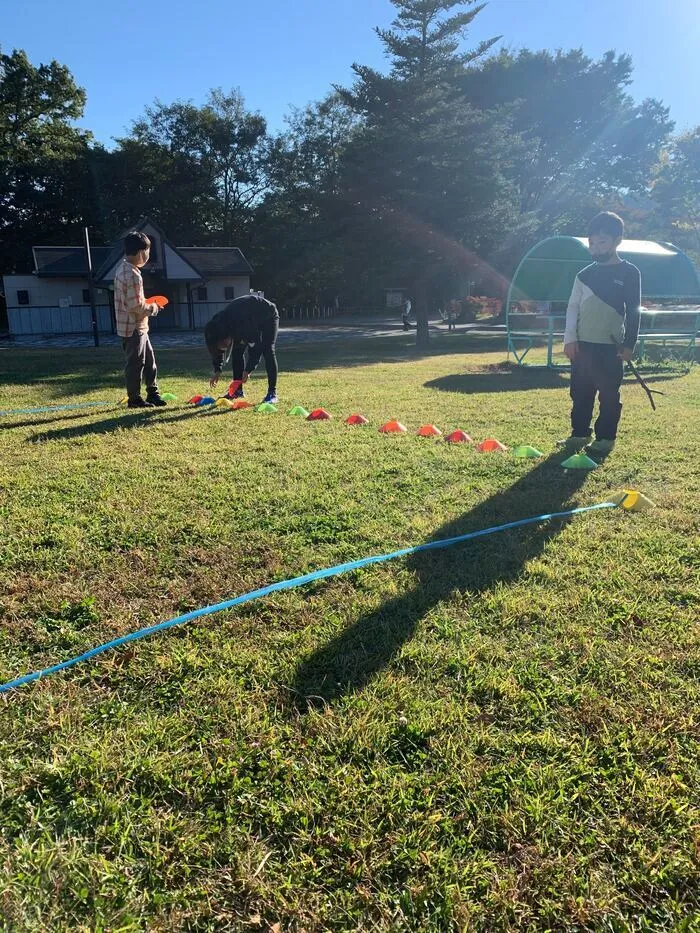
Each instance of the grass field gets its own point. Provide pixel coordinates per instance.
(503, 735)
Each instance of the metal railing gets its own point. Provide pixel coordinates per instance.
(47, 320)
(44, 320)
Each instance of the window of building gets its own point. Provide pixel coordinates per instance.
(229, 293)
(202, 294)
(22, 296)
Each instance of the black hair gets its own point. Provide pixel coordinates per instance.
(607, 224)
(134, 242)
(212, 337)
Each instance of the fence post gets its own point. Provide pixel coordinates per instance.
(91, 284)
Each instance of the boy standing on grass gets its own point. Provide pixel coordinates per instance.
(132, 313)
(602, 325)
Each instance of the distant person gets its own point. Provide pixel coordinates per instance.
(132, 313)
(454, 309)
(602, 325)
(245, 330)
(406, 314)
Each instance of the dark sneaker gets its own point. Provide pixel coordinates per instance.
(601, 446)
(574, 443)
(139, 403)
(239, 393)
(156, 399)
(271, 398)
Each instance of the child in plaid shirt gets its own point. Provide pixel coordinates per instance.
(132, 313)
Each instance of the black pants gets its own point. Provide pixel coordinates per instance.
(265, 347)
(140, 363)
(597, 369)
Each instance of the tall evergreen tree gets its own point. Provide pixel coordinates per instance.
(427, 176)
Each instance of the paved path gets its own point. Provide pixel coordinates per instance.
(290, 334)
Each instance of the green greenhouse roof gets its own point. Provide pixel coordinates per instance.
(548, 270)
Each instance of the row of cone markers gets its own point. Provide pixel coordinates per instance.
(489, 445)
(576, 462)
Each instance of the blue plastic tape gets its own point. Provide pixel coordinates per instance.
(288, 585)
(41, 411)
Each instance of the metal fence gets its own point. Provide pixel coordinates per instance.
(46, 320)
(204, 311)
(50, 320)
(306, 312)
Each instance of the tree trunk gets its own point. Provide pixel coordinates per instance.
(422, 330)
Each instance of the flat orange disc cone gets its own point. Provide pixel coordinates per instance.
(429, 430)
(241, 403)
(319, 414)
(392, 427)
(491, 444)
(160, 300)
(458, 437)
(357, 419)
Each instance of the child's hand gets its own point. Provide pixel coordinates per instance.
(214, 379)
(626, 354)
(571, 349)
(154, 309)
(244, 377)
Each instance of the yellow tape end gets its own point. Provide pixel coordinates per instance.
(633, 501)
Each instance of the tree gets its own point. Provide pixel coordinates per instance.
(426, 176)
(675, 192)
(590, 144)
(38, 146)
(424, 42)
(227, 143)
(298, 242)
(173, 189)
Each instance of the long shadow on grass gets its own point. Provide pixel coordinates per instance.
(300, 358)
(355, 656)
(505, 378)
(129, 419)
(74, 372)
(501, 379)
(38, 422)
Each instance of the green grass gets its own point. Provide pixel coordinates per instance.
(501, 735)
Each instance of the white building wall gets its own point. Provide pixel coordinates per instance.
(216, 296)
(46, 292)
(44, 315)
(176, 267)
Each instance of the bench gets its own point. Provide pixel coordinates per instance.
(680, 341)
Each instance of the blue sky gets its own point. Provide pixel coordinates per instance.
(289, 52)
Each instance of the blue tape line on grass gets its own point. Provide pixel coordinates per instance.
(288, 585)
(41, 411)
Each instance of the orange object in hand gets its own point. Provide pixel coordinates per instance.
(159, 300)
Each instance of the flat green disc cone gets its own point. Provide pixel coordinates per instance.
(527, 452)
(298, 410)
(169, 397)
(267, 408)
(579, 462)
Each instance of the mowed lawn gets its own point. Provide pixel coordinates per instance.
(502, 735)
